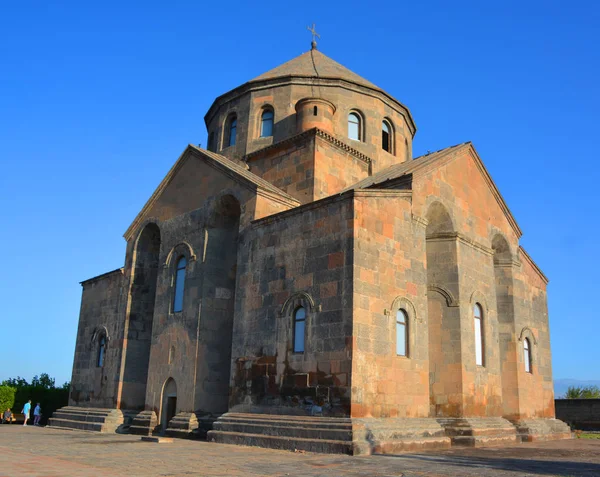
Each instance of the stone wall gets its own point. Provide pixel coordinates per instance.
(100, 315)
(302, 257)
(389, 273)
(311, 166)
(583, 414)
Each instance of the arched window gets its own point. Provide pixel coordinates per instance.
(299, 329)
(232, 129)
(354, 126)
(479, 344)
(101, 351)
(266, 123)
(401, 333)
(527, 355)
(179, 285)
(386, 136)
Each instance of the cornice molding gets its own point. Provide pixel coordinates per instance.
(457, 236)
(314, 132)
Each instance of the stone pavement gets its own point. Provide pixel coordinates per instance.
(44, 452)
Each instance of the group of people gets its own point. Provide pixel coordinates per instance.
(7, 417)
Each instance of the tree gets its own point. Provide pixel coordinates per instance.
(583, 392)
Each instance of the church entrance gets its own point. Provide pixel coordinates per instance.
(169, 403)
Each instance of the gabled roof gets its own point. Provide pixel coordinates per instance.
(398, 170)
(392, 173)
(243, 172)
(236, 172)
(314, 63)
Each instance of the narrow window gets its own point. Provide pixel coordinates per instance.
(299, 329)
(232, 131)
(179, 285)
(315, 110)
(101, 350)
(478, 315)
(266, 123)
(386, 136)
(527, 355)
(401, 332)
(354, 127)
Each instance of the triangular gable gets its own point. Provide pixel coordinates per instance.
(435, 160)
(227, 167)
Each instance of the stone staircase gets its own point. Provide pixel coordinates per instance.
(87, 419)
(393, 435)
(312, 434)
(535, 430)
(479, 431)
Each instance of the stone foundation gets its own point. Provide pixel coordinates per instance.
(329, 435)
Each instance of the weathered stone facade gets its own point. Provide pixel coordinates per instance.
(293, 214)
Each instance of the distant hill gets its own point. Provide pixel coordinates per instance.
(561, 385)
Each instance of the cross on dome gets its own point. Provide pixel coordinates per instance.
(313, 43)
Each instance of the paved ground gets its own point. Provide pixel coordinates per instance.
(43, 452)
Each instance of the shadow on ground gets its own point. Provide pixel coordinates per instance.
(540, 467)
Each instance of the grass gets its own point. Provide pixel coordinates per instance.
(588, 435)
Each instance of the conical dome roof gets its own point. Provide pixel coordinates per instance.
(313, 63)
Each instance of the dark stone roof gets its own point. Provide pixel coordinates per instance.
(313, 63)
(398, 170)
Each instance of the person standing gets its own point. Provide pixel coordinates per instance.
(37, 414)
(25, 411)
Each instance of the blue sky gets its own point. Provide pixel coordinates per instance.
(97, 101)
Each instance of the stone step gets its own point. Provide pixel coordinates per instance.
(284, 443)
(287, 430)
(484, 441)
(83, 417)
(80, 425)
(89, 419)
(287, 418)
(312, 424)
(416, 444)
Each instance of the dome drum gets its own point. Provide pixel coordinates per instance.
(314, 112)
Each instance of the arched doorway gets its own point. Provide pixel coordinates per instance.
(169, 403)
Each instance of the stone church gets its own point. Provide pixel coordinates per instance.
(305, 283)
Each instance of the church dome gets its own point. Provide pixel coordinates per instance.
(265, 111)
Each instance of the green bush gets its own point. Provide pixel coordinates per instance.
(7, 398)
(42, 389)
